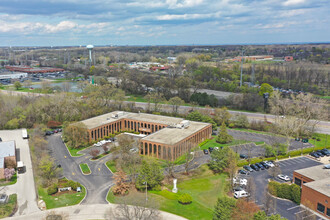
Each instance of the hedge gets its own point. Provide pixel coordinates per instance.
(185, 199)
(52, 189)
(285, 191)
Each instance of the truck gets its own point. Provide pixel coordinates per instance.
(24, 134)
(20, 166)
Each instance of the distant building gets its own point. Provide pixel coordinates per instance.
(10, 75)
(28, 69)
(7, 153)
(315, 188)
(288, 58)
(166, 137)
(251, 58)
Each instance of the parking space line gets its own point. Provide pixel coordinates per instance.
(293, 207)
(300, 211)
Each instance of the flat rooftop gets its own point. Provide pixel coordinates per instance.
(172, 136)
(143, 117)
(322, 186)
(315, 173)
(7, 149)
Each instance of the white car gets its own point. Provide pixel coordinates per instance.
(283, 177)
(241, 194)
(241, 182)
(269, 163)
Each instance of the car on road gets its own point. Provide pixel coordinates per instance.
(248, 168)
(314, 154)
(261, 167)
(211, 149)
(241, 182)
(254, 167)
(206, 151)
(324, 151)
(283, 177)
(240, 194)
(243, 156)
(243, 172)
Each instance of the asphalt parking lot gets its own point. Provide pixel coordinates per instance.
(285, 208)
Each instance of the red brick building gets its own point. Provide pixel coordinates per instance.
(167, 137)
(315, 188)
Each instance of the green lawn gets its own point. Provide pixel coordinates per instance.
(7, 209)
(61, 200)
(203, 186)
(111, 164)
(11, 182)
(323, 142)
(251, 131)
(136, 98)
(213, 143)
(85, 168)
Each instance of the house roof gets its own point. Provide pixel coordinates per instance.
(7, 149)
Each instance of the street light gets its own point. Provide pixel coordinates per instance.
(146, 183)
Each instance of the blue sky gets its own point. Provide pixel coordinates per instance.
(162, 22)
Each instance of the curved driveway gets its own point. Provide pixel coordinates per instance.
(97, 183)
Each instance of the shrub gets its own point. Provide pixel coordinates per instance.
(52, 189)
(70, 183)
(295, 193)
(285, 191)
(185, 199)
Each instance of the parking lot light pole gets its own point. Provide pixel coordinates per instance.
(146, 191)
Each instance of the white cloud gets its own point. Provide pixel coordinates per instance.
(174, 4)
(62, 26)
(182, 17)
(293, 2)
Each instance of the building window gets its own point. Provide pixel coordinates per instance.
(328, 212)
(297, 181)
(320, 207)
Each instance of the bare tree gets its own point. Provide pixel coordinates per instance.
(66, 86)
(94, 153)
(274, 171)
(105, 148)
(134, 209)
(170, 168)
(188, 157)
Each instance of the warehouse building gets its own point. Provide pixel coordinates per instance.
(315, 188)
(166, 137)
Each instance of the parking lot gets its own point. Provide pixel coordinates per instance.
(285, 208)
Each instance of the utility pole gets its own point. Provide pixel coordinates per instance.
(240, 84)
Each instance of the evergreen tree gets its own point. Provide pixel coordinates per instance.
(151, 174)
(224, 137)
(224, 208)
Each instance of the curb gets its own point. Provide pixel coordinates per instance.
(88, 168)
(108, 167)
(84, 196)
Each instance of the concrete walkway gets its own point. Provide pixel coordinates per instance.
(84, 212)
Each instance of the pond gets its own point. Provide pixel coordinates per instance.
(71, 86)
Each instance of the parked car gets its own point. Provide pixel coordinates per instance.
(261, 167)
(48, 133)
(241, 194)
(254, 167)
(325, 151)
(243, 172)
(314, 154)
(243, 156)
(248, 168)
(211, 149)
(241, 182)
(265, 164)
(320, 153)
(269, 163)
(283, 177)
(237, 188)
(55, 131)
(206, 151)
(60, 130)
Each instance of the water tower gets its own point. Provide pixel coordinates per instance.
(90, 47)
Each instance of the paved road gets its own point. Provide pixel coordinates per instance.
(25, 187)
(284, 207)
(322, 126)
(97, 183)
(85, 212)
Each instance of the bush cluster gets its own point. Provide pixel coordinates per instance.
(185, 199)
(285, 191)
(52, 189)
(70, 183)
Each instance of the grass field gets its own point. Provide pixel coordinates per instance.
(213, 143)
(111, 164)
(204, 188)
(85, 168)
(11, 182)
(7, 209)
(65, 199)
(323, 142)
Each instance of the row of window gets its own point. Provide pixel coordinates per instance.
(130, 125)
(321, 208)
